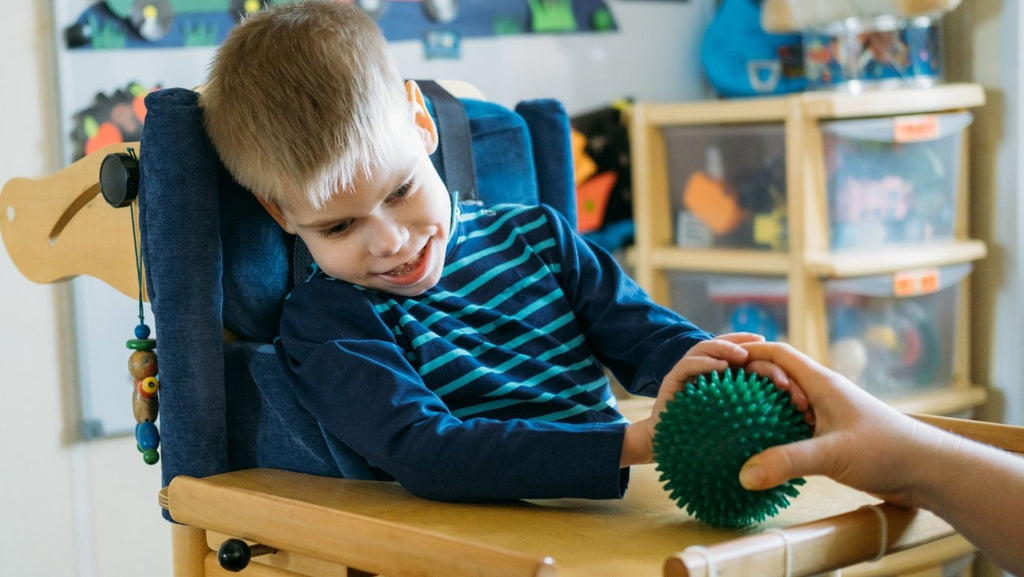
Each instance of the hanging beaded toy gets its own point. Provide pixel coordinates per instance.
(119, 177)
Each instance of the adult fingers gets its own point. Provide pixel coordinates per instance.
(778, 464)
(810, 375)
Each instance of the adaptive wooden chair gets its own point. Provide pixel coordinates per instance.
(242, 460)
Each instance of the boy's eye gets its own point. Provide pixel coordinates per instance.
(400, 192)
(336, 230)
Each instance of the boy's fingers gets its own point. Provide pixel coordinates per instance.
(693, 366)
(741, 337)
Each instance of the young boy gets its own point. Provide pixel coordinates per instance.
(459, 349)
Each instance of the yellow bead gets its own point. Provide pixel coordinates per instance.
(148, 387)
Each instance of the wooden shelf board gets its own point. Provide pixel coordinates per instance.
(826, 265)
(750, 262)
(825, 104)
(947, 401)
(895, 258)
(770, 109)
(820, 105)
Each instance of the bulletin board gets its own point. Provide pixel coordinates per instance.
(587, 53)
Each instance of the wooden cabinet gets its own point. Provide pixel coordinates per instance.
(812, 259)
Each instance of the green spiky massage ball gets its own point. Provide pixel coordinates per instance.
(709, 430)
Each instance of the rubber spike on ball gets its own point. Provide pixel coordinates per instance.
(706, 434)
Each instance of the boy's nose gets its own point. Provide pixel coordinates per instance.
(387, 237)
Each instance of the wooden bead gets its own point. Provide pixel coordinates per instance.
(145, 409)
(142, 364)
(148, 387)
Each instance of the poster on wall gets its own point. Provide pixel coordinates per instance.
(119, 24)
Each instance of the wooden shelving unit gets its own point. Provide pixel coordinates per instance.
(808, 262)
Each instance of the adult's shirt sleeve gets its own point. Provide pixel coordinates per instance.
(638, 339)
(361, 388)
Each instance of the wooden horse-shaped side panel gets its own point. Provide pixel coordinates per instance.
(59, 227)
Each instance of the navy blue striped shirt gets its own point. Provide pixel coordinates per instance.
(491, 384)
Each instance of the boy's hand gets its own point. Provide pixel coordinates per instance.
(712, 355)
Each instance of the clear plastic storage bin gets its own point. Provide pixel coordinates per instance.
(893, 180)
(854, 54)
(728, 185)
(893, 334)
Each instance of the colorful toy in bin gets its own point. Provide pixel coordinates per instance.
(706, 433)
(713, 202)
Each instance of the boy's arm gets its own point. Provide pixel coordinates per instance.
(367, 395)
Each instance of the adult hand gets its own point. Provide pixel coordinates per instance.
(859, 440)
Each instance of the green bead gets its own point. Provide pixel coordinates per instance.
(141, 344)
(709, 430)
(150, 456)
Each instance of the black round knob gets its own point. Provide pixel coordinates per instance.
(233, 555)
(119, 179)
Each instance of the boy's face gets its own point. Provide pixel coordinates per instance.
(388, 231)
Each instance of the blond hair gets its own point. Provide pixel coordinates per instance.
(303, 98)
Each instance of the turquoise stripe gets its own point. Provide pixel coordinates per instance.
(541, 398)
(513, 235)
(491, 326)
(515, 361)
(482, 280)
(503, 368)
(443, 360)
(561, 415)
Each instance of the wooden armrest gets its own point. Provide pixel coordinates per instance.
(380, 528)
(814, 547)
(1007, 437)
(306, 514)
(60, 226)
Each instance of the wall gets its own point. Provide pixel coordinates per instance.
(69, 509)
(984, 44)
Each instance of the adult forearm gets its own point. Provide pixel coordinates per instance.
(979, 490)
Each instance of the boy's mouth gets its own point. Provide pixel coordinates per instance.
(412, 271)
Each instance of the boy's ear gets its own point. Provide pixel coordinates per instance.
(425, 123)
(276, 213)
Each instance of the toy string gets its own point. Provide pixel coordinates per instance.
(138, 264)
(138, 256)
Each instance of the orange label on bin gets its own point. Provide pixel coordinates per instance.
(915, 128)
(915, 282)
